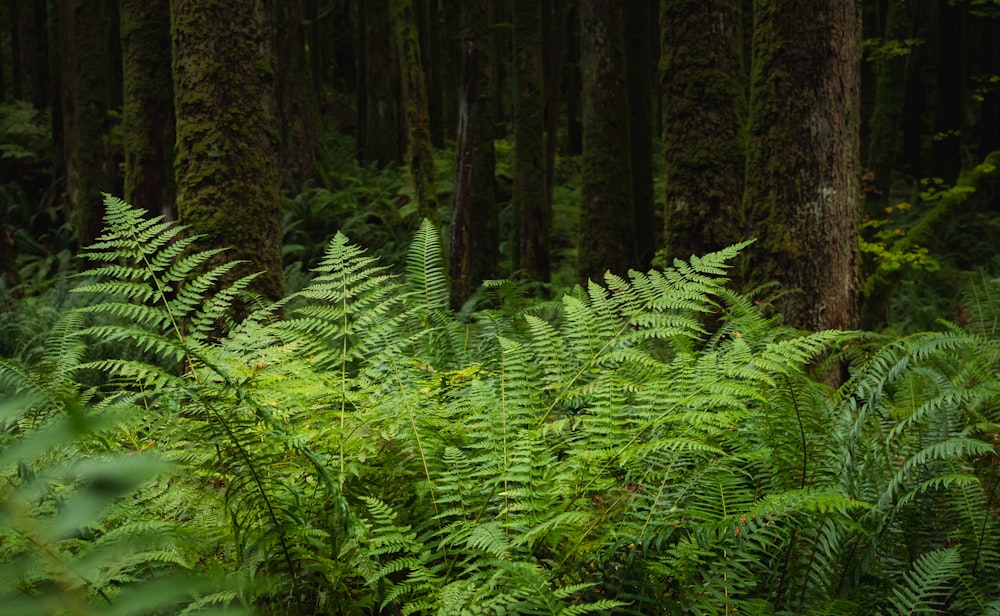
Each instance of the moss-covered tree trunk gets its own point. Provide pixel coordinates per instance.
(704, 113)
(228, 131)
(84, 37)
(474, 225)
(530, 198)
(148, 110)
(415, 119)
(383, 141)
(607, 219)
(802, 192)
(639, 79)
(298, 102)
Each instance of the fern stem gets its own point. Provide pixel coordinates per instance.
(260, 488)
(802, 432)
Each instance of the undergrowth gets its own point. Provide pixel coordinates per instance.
(652, 444)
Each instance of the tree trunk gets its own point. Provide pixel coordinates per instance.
(382, 128)
(607, 219)
(802, 190)
(573, 143)
(555, 43)
(886, 138)
(148, 112)
(228, 132)
(85, 34)
(299, 105)
(474, 225)
(639, 73)
(415, 120)
(704, 114)
(30, 79)
(533, 208)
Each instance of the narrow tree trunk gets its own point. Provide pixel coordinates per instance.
(414, 97)
(474, 225)
(886, 140)
(573, 143)
(86, 97)
(533, 211)
(382, 106)
(704, 114)
(803, 174)
(555, 55)
(431, 20)
(228, 132)
(299, 104)
(148, 111)
(30, 73)
(638, 74)
(607, 218)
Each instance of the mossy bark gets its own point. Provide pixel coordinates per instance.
(148, 109)
(704, 114)
(474, 226)
(530, 198)
(383, 139)
(803, 190)
(639, 68)
(298, 102)
(415, 118)
(607, 219)
(228, 132)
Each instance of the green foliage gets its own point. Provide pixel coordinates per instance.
(652, 444)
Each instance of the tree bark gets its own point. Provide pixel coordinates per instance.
(299, 105)
(530, 195)
(415, 120)
(638, 74)
(474, 224)
(148, 110)
(802, 190)
(84, 36)
(384, 141)
(704, 114)
(228, 132)
(607, 219)
(30, 79)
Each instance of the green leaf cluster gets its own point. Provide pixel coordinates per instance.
(651, 444)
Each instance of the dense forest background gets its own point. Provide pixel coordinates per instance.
(640, 131)
(683, 307)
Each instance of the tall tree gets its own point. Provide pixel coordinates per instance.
(704, 114)
(148, 109)
(474, 224)
(84, 46)
(639, 77)
(228, 131)
(530, 197)
(28, 47)
(414, 96)
(297, 98)
(802, 192)
(381, 127)
(607, 219)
